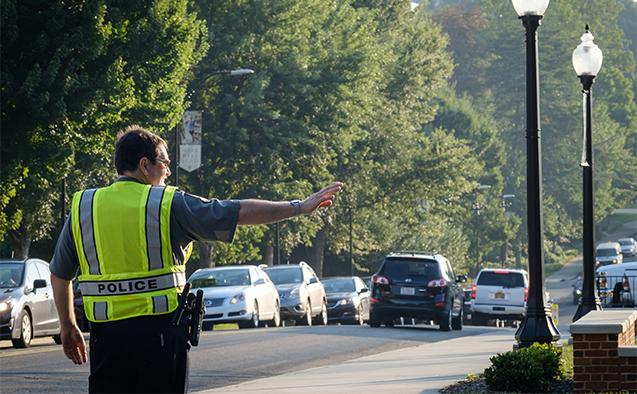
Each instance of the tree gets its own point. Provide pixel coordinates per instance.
(73, 75)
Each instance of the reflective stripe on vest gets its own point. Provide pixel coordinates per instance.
(133, 286)
(122, 236)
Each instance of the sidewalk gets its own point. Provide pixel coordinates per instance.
(424, 369)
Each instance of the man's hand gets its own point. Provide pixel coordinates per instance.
(322, 198)
(72, 338)
(73, 344)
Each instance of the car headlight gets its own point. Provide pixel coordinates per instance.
(578, 292)
(237, 298)
(295, 293)
(344, 302)
(5, 306)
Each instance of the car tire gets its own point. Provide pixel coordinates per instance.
(389, 322)
(26, 331)
(254, 322)
(361, 318)
(321, 319)
(206, 326)
(374, 319)
(58, 339)
(276, 319)
(456, 322)
(306, 320)
(447, 321)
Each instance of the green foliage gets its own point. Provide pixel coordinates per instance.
(527, 370)
(73, 75)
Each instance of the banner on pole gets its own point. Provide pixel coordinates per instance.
(190, 144)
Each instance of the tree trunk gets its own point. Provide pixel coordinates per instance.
(316, 251)
(268, 256)
(205, 258)
(21, 239)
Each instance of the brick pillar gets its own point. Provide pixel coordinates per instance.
(596, 362)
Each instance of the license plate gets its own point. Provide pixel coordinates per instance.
(499, 295)
(407, 291)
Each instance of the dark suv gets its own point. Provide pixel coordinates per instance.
(419, 285)
(302, 294)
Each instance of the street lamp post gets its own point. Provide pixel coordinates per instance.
(186, 97)
(587, 60)
(537, 324)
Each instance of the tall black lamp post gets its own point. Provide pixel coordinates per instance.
(187, 96)
(587, 60)
(537, 324)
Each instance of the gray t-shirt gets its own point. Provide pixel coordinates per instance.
(192, 218)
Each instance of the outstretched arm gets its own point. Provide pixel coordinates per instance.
(72, 338)
(263, 212)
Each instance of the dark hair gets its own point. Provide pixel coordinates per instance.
(134, 143)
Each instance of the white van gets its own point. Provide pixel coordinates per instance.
(608, 253)
(617, 285)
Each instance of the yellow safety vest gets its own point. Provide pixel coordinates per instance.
(122, 237)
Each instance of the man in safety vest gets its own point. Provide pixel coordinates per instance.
(130, 242)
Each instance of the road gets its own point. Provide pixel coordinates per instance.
(226, 357)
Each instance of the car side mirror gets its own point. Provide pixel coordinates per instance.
(313, 280)
(364, 290)
(462, 278)
(39, 284)
(259, 281)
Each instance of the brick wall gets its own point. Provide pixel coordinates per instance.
(597, 366)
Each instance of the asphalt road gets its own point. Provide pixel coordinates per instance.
(226, 357)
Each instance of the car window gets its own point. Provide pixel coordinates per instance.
(32, 275)
(501, 279)
(307, 274)
(339, 285)
(605, 252)
(410, 268)
(218, 278)
(11, 274)
(285, 275)
(360, 285)
(450, 274)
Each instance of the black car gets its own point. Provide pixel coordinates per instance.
(27, 308)
(577, 291)
(419, 285)
(347, 300)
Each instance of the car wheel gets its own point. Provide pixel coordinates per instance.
(58, 339)
(276, 318)
(374, 319)
(389, 322)
(456, 322)
(26, 331)
(306, 320)
(445, 323)
(206, 326)
(361, 318)
(254, 322)
(321, 319)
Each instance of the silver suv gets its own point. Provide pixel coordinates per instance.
(302, 294)
(499, 294)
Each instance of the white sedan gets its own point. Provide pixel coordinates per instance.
(241, 294)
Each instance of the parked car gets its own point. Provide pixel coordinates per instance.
(302, 294)
(499, 294)
(628, 245)
(27, 308)
(608, 253)
(347, 300)
(577, 290)
(237, 294)
(617, 285)
(418, 285)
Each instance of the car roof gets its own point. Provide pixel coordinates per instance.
(626, 239)
(607, 245)
(618, 269)
(504, 270)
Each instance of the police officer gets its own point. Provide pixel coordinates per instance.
(131, 241)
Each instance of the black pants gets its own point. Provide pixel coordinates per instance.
(139, 355)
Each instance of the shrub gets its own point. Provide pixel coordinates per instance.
(527, 370)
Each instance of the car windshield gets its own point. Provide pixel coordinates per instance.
(11, 274)
(285, 275)
(504, 279)
(342, 285)
(605, 252)
(218, 278)
(412, 267)
(625, 242)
